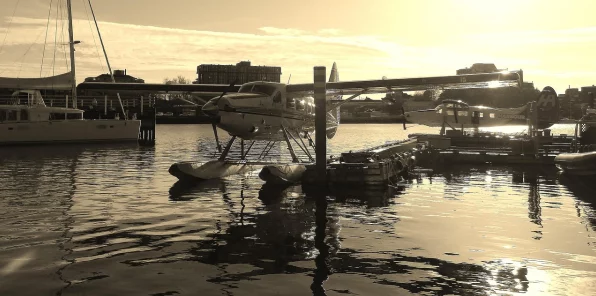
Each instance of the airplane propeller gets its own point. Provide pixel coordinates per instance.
(215, 120)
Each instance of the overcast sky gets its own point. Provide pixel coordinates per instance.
(552, 41)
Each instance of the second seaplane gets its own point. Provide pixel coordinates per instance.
(456, 114)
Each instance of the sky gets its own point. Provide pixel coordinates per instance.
(553, 42)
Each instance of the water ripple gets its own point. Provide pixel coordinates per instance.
(110, 220)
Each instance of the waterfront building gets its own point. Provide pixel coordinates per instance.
(243, 71)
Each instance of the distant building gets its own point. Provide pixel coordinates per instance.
(242, 71)
(484, 68)
(585, 93)
(119, 76)
(478, 68)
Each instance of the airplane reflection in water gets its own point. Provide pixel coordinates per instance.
(280, 234)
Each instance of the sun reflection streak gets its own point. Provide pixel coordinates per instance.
(17, 263)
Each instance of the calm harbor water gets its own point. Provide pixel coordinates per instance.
(110, 220)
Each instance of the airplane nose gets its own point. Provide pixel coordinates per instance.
(210, 108)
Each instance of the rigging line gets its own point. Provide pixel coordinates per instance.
(62, 42)
(55, 41)
(93, 35)
(9, 24)
(43, 54)
(27, 51)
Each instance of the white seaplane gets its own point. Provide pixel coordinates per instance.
(269, 113)
(458, 114)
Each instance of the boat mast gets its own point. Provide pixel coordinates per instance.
(72, 55)
(106, 56)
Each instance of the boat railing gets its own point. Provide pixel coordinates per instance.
(83, 102)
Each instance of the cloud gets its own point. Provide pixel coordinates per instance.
(168, 52)
(282, 31)
(329, 31)
(153, 53)
(566, 36)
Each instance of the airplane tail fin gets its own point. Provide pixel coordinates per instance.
(334, 75)
(333, 115)
(548, 107)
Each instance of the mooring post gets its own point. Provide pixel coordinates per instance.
(320, 91)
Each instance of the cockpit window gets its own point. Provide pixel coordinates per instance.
(246, 88)
(264, 89)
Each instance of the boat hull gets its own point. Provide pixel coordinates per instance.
(577, 163)
(69, 131)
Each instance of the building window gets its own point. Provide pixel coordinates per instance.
(492, 115)
(462, 113)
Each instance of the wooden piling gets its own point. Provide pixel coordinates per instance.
(320, 91)
(147, 129)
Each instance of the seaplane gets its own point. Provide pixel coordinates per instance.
(262, 115)
(284, 113)
(458, 114)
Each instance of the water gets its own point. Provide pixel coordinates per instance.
(109, 220)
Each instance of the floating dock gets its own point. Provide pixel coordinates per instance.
(385, 164)
(375, 166)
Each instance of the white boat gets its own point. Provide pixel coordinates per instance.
(36, 123)
(33, 122)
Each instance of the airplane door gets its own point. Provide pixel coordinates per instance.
(277, 103)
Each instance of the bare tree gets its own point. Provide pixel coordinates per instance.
(178, 80)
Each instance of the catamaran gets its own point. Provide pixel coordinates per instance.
(31, 121)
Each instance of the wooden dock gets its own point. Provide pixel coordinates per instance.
(376, 166)
(385, 164)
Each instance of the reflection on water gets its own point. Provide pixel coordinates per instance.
(110, 220)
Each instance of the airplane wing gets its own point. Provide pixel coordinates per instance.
(109, 87)
(483, 80)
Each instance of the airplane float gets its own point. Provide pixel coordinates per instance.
(456, 113)
(273, 112)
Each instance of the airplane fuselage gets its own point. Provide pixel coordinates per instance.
(260, 110)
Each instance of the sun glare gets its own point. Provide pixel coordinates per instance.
(494, 84)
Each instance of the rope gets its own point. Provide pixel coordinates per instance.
(27, 51)
(45, 41)
(55, 41)
(62, 34)
(93, 35)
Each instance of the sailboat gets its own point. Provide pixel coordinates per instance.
(28, 120)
